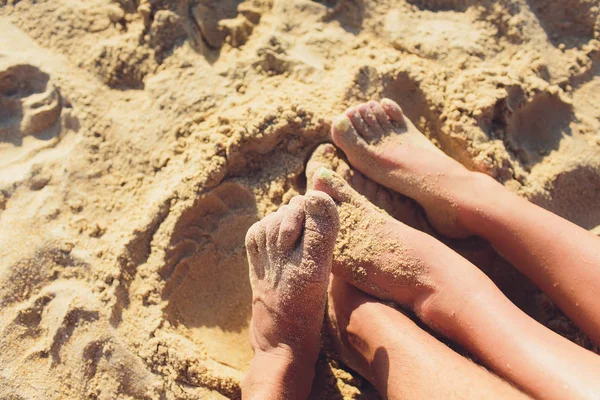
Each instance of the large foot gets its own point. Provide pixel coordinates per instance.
(400, 207)
(385, 146)
(290, 254)
(379, 254)
(407, 211)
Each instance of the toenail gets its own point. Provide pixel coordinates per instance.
(391, 103)
(342, 123)
(329, 149)
(324, 173)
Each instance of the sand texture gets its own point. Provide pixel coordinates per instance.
(139, 139)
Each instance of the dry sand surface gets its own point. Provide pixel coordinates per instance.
(139, 139)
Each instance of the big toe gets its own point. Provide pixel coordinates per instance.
(335, 186)
(393, 111)
(321, 229)
(321, 157)
(346, 136)
(326, 156)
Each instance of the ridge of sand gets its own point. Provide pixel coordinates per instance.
(140, 139)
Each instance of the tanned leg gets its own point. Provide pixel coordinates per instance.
(392, 261)
(400, 359)
(559, 257)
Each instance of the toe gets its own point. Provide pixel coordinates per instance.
(262, 236)
(251, 241)
(393, 110)
(345, 171)
(357, 181)
(380, 114)
(335, 186)
(371, 120)
(346, 137)
(327, 156)
(359, 124)
(321, 157)
(321, 229)
(272, 225)
(292, 225)
(256, 249)
(370, 189)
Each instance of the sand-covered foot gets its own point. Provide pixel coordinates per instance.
(377, 253)
(398, 206)
(290, 254)
(409, 212)
(385, 146)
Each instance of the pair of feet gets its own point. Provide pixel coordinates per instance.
(336, 229)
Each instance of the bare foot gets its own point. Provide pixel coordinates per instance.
(406, 210)
(380, 255)
(290, 255)
(400, 207)
(385, 146)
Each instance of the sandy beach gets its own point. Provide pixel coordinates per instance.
(140, 139)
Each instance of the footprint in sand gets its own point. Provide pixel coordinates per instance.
(537, 126)
(214, 22)
(62, 327)
(29, 103)
(30, 117)
(206, 273)
(570, 23)
(444, 36)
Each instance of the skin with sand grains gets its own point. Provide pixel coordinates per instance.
(378, 138)
(379, 256)
(146, 137)
(290, 255)
(459, 202)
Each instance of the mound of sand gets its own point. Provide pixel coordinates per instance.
(139, 139)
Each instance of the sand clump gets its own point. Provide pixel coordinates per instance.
(140, 139)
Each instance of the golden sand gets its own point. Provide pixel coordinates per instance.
(140, 139)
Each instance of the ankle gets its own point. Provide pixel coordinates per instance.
(485, 195)
(450, 303)
(279, 373)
